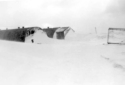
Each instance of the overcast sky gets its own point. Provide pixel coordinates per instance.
(81, 15)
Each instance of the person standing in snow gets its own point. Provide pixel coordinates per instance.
(32, 41)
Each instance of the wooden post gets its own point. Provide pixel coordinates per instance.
(95, 30)
(108, 37)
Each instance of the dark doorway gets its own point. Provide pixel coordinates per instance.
(60, 35)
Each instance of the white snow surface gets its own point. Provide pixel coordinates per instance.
(84, 60)
(39, 37)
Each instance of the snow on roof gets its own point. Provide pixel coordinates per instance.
(62, 29)
(33, 27)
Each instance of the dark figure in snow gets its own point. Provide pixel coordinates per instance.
(32, 41)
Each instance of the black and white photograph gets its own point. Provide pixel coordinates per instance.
(62, 42)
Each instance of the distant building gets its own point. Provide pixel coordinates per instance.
(17, 34)
(63, 32)
(50, 32)
(116, 36)
(59, 32)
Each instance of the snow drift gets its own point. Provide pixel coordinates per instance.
(62, 63)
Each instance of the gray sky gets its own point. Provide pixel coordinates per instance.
(81, 15)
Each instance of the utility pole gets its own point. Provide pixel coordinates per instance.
(95, 30)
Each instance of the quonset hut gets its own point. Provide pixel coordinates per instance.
(17, 34)
(35, 34)
(63, 32)
(50, 31)
(59, 32)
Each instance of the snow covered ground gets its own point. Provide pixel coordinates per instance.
(85, 60)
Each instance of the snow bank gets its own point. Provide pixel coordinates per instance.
(40, 37)
(61, 63)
